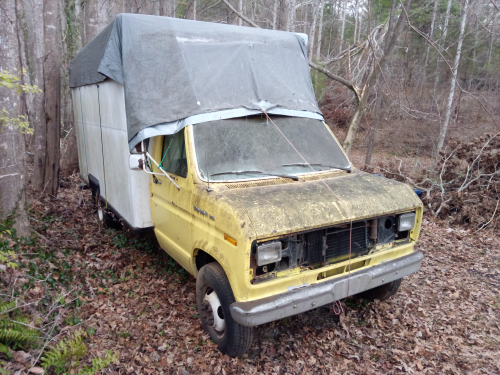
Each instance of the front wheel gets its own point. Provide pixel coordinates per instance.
(213, 298)
(381, 292)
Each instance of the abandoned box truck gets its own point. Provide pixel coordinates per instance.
(211, 135)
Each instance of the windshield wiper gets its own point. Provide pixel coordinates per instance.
(295, 178)
(315, 164)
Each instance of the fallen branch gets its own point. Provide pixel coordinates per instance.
(337, 78)
(492, 217)
(250, 22)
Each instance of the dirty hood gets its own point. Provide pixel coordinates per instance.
(304, 205)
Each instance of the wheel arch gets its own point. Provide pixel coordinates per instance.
(201, 258)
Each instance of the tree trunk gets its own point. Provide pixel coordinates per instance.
(167, 8)
(12, 150)
(91, 23)
(240, 9)
(373, 133)
(356, 21)
(495, 17)
(312, 31)
(291, 14)
(33, 39)
(342, 26)
(47, 136)
(194, 10)
(275, 14)
(443, 40)
(431, 35)
(320, 30)
(444, 128)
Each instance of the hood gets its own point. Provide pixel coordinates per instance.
(305, 205)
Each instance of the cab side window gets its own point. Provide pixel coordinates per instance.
(174, 154)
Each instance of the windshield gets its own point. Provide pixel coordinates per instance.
(249, 148)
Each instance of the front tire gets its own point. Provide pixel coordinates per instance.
(381, 292)
(213, 298)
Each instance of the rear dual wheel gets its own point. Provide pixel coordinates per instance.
(105, 216)
(213, 298)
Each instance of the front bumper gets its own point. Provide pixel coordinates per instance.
(254, 313)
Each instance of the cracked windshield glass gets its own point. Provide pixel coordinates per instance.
(252, 147)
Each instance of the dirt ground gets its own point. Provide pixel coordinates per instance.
(134, 299)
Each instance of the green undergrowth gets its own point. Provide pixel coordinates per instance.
(67, 354)
(58, 280)
(15, 329)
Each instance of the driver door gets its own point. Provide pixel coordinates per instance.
(172, 208)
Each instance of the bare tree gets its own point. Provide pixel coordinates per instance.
(275, 14)
(356, 21)
(249, 21)
(378, 102)
(34, 50)
(167, 8)
(431, 33)
(312, 31)
(441, 42)
(240, 8)
(444, 128)
(291, 14)
(320, 30)
(12, 151)
(46, 166)
(372, 71)
(91, 24)
(342, 25)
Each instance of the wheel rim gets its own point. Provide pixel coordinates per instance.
(211, 309)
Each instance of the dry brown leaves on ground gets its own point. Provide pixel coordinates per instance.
(134, 299)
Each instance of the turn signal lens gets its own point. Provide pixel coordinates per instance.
(230, 240)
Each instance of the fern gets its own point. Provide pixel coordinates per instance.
(67, 351)
(99, 363)
(6, 306)
(14, 331)
(6, 254)
(3, 370)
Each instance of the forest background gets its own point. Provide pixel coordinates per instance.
(408, 76)
(410, 88)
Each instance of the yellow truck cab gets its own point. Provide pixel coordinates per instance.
(251, 193)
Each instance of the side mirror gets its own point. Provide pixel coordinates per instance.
(135, 162)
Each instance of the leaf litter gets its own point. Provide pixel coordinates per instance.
(131, 297)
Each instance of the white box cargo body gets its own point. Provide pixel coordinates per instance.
(101, 132)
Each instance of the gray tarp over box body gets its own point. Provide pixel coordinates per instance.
(173, 69)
